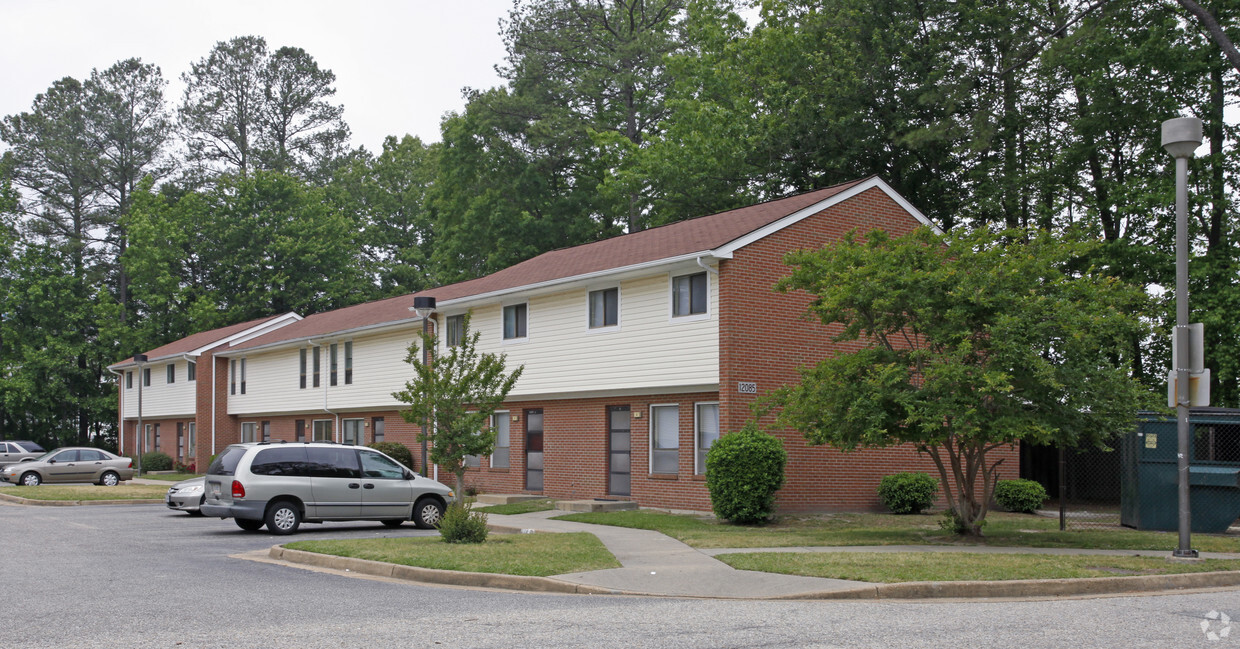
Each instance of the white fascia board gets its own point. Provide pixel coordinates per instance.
(561, 282)
(852, 192)
(298, 342)
(262, 328)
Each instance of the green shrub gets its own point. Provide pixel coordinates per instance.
(1024, 496)
(156, 461)
(743, 471)
(907, 493)
(461, 524)
(397, 451)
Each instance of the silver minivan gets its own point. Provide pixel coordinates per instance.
(283, 484)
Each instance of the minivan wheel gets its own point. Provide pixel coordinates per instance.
(31, 479)
(283, 518)
(427, 513)
(248, 525)
(110, 479)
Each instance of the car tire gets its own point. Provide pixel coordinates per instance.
(198, 512)
(427, 513)
(30, 479)
(393, 523)
(109, 479)
(249, 525)
(283, 517)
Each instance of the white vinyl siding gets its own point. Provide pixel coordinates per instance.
(646, 353)
(161, 399)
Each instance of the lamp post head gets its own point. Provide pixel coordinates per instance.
(139, 358)
(1181, 136)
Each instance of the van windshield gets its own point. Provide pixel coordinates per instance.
(226, 463)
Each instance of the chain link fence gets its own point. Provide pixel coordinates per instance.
(1092, 488)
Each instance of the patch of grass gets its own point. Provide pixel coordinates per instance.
(893, 567)
(89, 492)
(169, 477)
(536, 555)
(524, 507)
(1002, 529)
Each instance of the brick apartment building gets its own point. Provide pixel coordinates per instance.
(638, 351)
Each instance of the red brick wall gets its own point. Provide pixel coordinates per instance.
(765, 337)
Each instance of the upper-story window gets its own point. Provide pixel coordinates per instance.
(238, 376)
(332, 353)
(191, 371)
(604, 308)
(514, 321)
(302, 366)
(348, 363)
(232, 376)
(172, 372)
(455, 330)
(316, 365)
(129, 380)
(689, 294)
(146, 377)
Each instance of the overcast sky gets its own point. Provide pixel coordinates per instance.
(400, 65)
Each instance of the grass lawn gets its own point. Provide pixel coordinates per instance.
(537, 555)
(89, 492)
(883, 567)
(1002, 529)
(519, 508)
(169, 477)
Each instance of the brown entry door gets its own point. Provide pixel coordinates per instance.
(534, 450)
(619, 445)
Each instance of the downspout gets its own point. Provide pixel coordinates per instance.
(708, 268)
(120, 407)
(213, 364)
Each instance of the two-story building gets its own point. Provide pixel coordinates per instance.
(639, 351)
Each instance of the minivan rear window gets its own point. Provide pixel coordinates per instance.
(285, 461)
(226, 463)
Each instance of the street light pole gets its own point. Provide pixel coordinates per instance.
(1181, 137)
(140, 359)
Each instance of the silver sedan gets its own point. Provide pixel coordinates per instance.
(186, 496)
(75, 464)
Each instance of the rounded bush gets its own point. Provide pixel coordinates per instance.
(396, 451)
(156, 461)
(1024, 496)
(907, 493)
(461, 524)
(743, 471)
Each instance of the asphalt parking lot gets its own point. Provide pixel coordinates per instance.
(143, 576)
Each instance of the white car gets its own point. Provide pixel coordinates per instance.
(187, 496)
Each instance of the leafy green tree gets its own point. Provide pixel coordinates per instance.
(969, 344)
(454, 397)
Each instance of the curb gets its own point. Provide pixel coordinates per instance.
(434, 576)
(72, 503)
(1012, 589)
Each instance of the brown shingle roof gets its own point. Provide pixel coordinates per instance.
(198, 340)
(677, 239)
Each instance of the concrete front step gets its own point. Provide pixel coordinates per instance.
(595, 505)
(505, 499)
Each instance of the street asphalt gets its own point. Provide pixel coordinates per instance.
(142, 576)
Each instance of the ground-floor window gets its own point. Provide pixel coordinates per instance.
(353, 432)
(192, 434)
(665, 438)
(706, 431)
(249, 430)
(323, 430)
(266, 431)
(379, 429)
(299, 430)
(500, 421)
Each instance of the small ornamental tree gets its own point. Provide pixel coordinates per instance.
(969, 344)
(743, 471)
(454, 397)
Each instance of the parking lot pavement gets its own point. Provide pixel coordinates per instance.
(143, 576)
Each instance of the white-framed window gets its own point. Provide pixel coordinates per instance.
(331, 352)
(690, 295)
(191, 371)
(242, 376)
(705, 432)
(515, 318)
(172, 372)
(665, 438)
(129, 380)
(232, 376)
(603, 308)
(323, 431)
(191, 441)
(348, 362)
(249, 431)
(317, 354)
(454, 330)
(501, 422)
(146, 377)
(301, 366)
